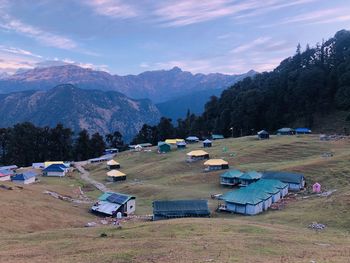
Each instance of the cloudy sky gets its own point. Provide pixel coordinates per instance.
(129, 37)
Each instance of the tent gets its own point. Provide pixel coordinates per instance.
(207, 143)
(217, 136)
(180, 208)
(112, 164)
(302, 131)
(286, 131)
(163, 147)
(263, 135)
(197, 155)
(192, 139)
(215, 164)
(115, 175)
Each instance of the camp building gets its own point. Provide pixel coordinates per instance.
(111, 203)
(5, 175)
(180, 208)
(115, 176)
(24, 178)
(230, 178)
(217, 137)
(295, 181)
(181, 145)
(192, 139)
(249, 177)
(286, 131)
(207, 143)
(163, 147)
(56, 170)
(111, 164)
(215, 164)
(197, 155)
(263, 135)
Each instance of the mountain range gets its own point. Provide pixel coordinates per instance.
(159, 85)
(94, 110)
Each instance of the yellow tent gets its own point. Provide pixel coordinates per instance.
(115, 173)
(47, 164)
(197, 153)
(112, 162)
(173, 141)
(215, 162)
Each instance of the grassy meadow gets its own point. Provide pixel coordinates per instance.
(38, 228)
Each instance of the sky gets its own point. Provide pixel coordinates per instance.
(130, 37)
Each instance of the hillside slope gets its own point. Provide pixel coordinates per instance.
(94, 110)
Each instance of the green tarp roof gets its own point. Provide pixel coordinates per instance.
(231, 174)
(251, 175)
(217, 136)
(178, 208)
(284, 177)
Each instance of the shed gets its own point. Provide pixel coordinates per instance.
(111, 203)
(217, 136)
(192, 139)
(111, 164)
(302, 131)
(295, 181)
(230, 177)
(115, 176)
(180, 208)
(197, 155)
(181, 145)
(56, 170)
(5, 175)
(207, 143)
(24, 178)
(215, 164)
(286, 131)
(262, 135)
(163, 147)
(249, 177)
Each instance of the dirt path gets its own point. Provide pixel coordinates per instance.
(85, 175)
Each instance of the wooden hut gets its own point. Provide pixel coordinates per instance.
(180, 208)
(115, 176)
(197, 155)
(215, 164)
(111, 164)
(263, 135)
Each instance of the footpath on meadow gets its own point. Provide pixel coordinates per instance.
(85, 175)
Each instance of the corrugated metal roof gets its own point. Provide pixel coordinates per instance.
(285, 177)
(55, 168)
(214, 162)
(115, 173)
(197, 153)
(105, 207)
(231, 174)
(178, 208)
(24, 176)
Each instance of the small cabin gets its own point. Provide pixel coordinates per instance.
(207, 143)
(215, 164)
(302, 131)
(286, 131)
(179, 209)
(115, 176)
(217, 137)
(197, 155)
(56, 170)
(110, 204)
(111, 164)
(24, 178)
(163, 147)
(181, 145)
(192, 139)
(263, 135)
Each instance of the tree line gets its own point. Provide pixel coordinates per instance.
(26, 143)
(313, 81)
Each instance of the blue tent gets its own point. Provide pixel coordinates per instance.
(302, 131)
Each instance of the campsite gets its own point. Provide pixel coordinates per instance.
(167, 176)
